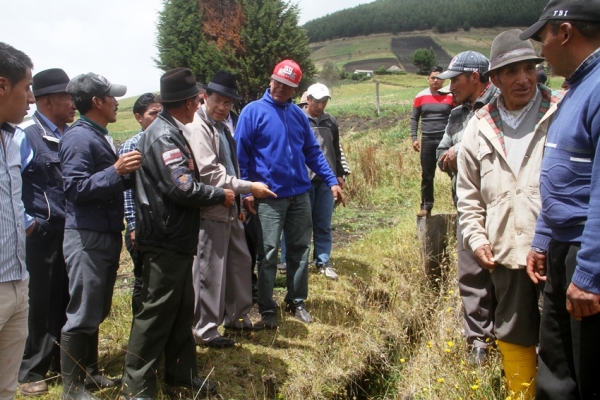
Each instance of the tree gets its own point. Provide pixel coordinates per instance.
(424, 59)
(246, 37)
(330, 73)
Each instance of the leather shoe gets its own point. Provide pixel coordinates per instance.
(268, 321)
(477, 356)
(98, 382)
(199, 384)
(301, 314)
(33, 388)
(220, 342)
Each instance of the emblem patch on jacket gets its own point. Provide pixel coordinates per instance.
(172, 156)
(182, 178)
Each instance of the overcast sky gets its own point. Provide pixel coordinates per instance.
(115, 38)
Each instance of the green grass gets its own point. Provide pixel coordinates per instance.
(341, 51)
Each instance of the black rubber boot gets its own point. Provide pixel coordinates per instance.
(93, 379)
(74, 347)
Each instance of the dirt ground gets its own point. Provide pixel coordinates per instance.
(404, 47)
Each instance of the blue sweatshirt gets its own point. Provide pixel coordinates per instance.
(570, 175)
(275, 144)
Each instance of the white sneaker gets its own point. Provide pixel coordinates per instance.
(282, 268)
(329, 273)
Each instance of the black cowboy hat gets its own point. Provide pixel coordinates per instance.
(224, 83)
(176, 85)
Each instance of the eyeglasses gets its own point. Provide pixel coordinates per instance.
(217, 102)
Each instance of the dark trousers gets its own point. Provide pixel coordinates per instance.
(163, 324)
(48, 299)
(136, 259)
(569, 357)
(429, 146)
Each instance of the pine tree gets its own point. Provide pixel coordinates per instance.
(246, 37)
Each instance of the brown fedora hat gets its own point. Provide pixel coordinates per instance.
(508, 48)
(176, 85)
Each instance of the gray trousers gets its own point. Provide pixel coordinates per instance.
(222, 279)
(517, 316)
(477, 293)
(92, 260)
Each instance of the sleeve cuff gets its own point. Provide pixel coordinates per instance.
(541, 242)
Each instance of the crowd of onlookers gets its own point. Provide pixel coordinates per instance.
(207, 194)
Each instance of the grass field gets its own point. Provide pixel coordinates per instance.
(383, 331)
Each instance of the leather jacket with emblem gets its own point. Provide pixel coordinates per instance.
(168, 190)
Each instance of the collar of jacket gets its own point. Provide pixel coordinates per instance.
(269, 99)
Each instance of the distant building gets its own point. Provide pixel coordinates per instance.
(368, 72)
(395, 68)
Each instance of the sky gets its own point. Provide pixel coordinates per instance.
(115, 38)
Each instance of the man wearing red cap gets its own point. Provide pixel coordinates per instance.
(275, 144)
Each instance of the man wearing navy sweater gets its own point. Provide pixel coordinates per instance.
(275, 144)
(565, 249)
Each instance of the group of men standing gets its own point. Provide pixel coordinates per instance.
(522, 159)
(183, 176)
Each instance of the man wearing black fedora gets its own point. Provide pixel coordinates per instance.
(169, 195)
(44, 202)
(222, 280)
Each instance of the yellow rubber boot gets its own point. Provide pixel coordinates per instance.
(519, 364)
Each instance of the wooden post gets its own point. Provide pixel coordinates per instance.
(377, 96)
(433, 233)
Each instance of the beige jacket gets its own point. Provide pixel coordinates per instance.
(203, 139)
(494, 206)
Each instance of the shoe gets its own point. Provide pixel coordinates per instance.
(220, 342)
(269, 321)
(477, 356)
(33, 388)
(74, 347)
(198, 384)
(282, 268)
(328, 272)
(424, 213)
(300, 313)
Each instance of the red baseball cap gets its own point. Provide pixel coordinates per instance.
(287, 72)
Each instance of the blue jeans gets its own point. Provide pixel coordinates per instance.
(321, 201)
(292, 216)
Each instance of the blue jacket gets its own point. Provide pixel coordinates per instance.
(43, 195)
(276, 144)
(570, 175)
(93, 189)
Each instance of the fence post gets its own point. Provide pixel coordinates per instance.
(433, 233)
(377, 96)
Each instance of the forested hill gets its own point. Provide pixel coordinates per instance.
(410, 15)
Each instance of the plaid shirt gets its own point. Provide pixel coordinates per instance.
(130, 145)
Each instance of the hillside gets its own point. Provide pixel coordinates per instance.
(372, 51)
(410, 15)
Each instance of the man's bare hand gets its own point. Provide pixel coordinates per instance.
(260, 190)
(448, 160)
(31, 228)
(229, 198)
(248, 203)
(341, 182)
(132, 237)
(536, 266)
(581, 303)
(128, 163)
(242, 216)
(337, 195)
(485, 257)
(416, 145)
